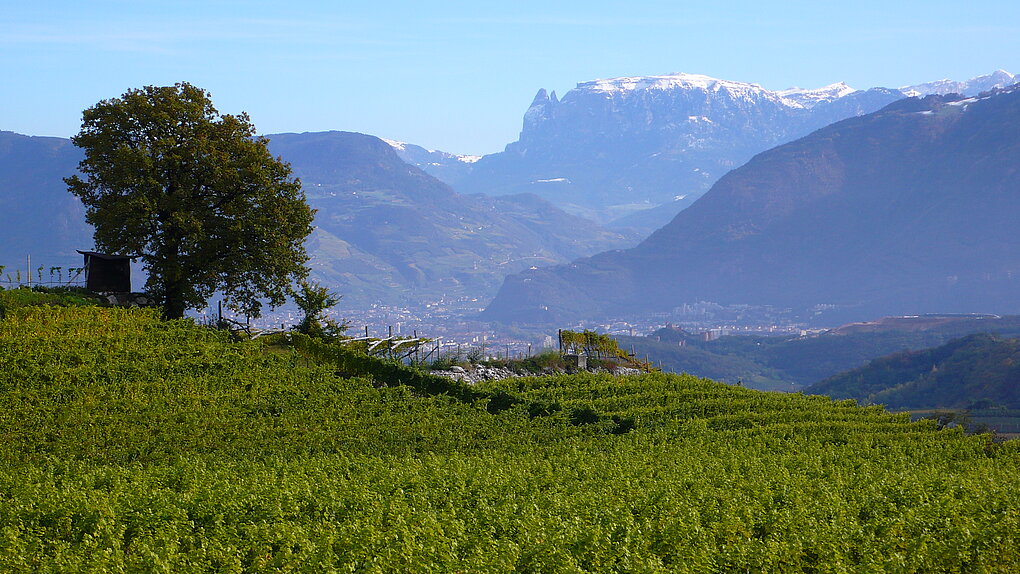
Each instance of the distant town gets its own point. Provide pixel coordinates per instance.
(454, 325)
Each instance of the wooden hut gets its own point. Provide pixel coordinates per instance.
(107, 273)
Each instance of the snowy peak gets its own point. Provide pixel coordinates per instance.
(971, 87)
(774, 231)
(793, 97)
(669, 82)
(618, 146)
(808, 98)
(629, 143)
(403, 148)
(398, 146)
(447, 167)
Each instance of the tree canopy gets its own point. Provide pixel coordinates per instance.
(193, 194)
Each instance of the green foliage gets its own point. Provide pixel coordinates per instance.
(350, 363)
(546, 361)
(977, 371)
(195, 195)
(794, 362)
(134, 444)
(588, 343)
(314, 299)
(597, 346)
(449, 359)
(949, 419)
(64, 297)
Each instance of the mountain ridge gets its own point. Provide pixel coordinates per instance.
(788, 229)
(386, 231)
(621, 151)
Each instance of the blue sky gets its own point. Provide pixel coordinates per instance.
(459, 76)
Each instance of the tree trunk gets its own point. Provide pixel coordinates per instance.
(173, 307)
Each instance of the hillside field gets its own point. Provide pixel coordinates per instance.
(129, 444)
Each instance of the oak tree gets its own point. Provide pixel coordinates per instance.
(193, 194)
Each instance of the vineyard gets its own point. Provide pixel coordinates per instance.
(132, 444)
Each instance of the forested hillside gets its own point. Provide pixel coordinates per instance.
(791, 363)
(975, 371)
(133, 444)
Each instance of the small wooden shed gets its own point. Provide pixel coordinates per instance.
(106, 273)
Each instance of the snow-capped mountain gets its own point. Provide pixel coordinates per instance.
(793, 97)
(447, 167)
(971, 87)
(620, 150)
(810, 98)
(614, 150)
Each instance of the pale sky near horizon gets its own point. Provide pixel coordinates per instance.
(458, 76)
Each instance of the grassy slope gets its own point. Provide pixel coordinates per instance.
(138, 445)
